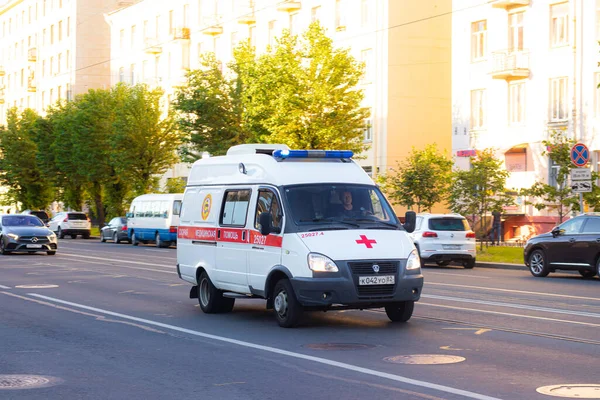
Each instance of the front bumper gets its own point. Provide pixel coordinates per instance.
(26, 246)
(342, 288)
(447, 256)
(76, 231)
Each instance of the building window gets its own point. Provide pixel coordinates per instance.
(171, 26)
(367, 58)
(293, 23)
(516, 103)
(553, 171)
(234, 41)
(252, 35)
(597, 95)
(51, 34)
(43, 68)
(272, 32)
(68, 26)
(121, 74)
(515, 31)
(51, 66)
(59, 92)
(340, 17)
(68, 61)
(315, 14)
(478, 110)
(60, 30)
(132, 70)
(365, 16)
(156, 67)
(133, 37)
(59, 62)
(186, 12)
(144, 70)
(558, 99)
(368, 129)
(559, 24)
(157, 26)
(597, 20)
(478, 40)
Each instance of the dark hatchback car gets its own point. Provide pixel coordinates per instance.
(573, 245)
(25, 234)
(116, 230)
(41, 214)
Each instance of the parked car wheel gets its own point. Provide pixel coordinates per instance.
(60, 233)
(102, 238)
(3, 250)
(470, 264)
(134, 240)
(51, 253)
(537, 264)
(116, 238)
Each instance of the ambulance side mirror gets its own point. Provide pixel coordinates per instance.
(265, 220)
(410, 221)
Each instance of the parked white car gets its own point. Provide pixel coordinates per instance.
(444, 238)
(71, 223)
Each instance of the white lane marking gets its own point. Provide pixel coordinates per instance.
(505, 314)
(4, 287)
(350, 367)
(566, 296)
(425, 272)
(158, 251)
(121, 261)
(510, 305)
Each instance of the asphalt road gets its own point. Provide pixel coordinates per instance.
(107, 321)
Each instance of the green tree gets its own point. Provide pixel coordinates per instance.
(144, 144)
(480, 189)
(302, 92)
(421, 180)
(560, 197)
(19, 165)
(175, 185)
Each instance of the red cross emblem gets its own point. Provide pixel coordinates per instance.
(366, 241)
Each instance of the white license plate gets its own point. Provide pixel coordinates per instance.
(377, 280)
(451, 246)
(34, 246)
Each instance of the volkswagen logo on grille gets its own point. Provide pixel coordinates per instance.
(452, 235)
(34, 239)
(375, 268)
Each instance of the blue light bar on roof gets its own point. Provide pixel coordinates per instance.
(339, 154)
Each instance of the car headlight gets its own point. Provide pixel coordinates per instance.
(414, 261)
(13, 236)
(320, 263)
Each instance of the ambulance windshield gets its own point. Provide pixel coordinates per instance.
(350, 206)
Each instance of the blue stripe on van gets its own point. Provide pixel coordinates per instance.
(150, 233)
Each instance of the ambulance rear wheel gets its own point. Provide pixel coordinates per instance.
(288, 310)
(210, 298)
(401, 311)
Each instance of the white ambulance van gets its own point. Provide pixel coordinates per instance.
(303, 229)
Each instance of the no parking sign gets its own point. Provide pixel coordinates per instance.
(580, 155)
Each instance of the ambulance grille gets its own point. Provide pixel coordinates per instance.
(366, 267)
(376, 291)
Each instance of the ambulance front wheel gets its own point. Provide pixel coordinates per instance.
(210, 298)
(401, 311)
(288, 310)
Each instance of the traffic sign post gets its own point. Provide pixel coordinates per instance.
(581, 178)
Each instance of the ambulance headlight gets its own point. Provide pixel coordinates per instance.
(320, 263)
(414, 261)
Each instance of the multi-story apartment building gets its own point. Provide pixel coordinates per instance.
(51, 50)
(522, 69)
(405, 46)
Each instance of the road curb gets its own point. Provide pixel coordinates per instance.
(479, 264)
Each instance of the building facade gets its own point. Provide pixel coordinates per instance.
(521, 70)
(405, 47)
(52, 50)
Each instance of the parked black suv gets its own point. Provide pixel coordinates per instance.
(41, 214)
(573, 245)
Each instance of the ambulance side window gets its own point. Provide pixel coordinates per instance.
(235, 207)
(267, 202)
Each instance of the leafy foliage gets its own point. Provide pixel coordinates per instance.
(421, 180)
(480, 189)
(302, 92)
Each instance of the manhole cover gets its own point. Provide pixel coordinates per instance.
(339, 346)
(575, 391)
(25, 381)
(425, 359)
(36, 286)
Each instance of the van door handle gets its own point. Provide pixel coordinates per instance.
(243, 236)
(572, 240)
(257, 248)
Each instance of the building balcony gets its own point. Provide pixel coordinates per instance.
(508, 4)
(2, 70)
(289, 6)
(2, 99)
(246, 15)
(182, 33)
(152, 46)
(213, 25)
(31, 86)
(510, 64)
(32, 54)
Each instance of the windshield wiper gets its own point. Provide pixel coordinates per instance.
(377, 221)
